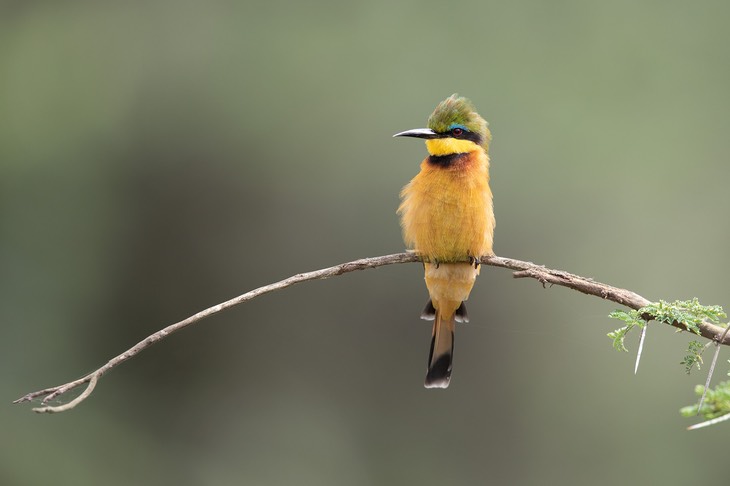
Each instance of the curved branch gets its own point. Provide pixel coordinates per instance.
(589, 286)
(522, 269)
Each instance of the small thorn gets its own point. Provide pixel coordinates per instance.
(709, 377)
(709, 422)
(712, 370)
(641, 347)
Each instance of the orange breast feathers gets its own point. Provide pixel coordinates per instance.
(446, 210)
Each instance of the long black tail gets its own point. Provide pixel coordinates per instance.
(442, 344)
(442, 351)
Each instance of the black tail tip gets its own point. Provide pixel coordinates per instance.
(439, 373)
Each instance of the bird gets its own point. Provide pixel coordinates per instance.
(447, 218)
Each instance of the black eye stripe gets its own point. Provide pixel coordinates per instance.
(465, 135)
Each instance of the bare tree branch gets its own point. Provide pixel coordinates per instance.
(522, 269)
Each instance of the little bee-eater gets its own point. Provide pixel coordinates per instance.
(447, 218)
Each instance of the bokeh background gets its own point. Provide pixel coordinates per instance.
(160, 157)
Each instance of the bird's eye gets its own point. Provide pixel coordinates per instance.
(457, 132)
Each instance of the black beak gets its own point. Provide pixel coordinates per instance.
(426, 133)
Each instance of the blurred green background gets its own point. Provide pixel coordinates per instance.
(160, 157)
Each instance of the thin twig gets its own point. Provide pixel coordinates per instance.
(94, 377)
(522, 269)
(53, 392)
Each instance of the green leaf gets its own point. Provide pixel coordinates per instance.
(632, 318)
(716, 404)
(618, 338)
(694, 356)
(689, 313)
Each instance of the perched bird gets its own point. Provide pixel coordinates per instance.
(448, 219)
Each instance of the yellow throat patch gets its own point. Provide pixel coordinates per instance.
(448, 146)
